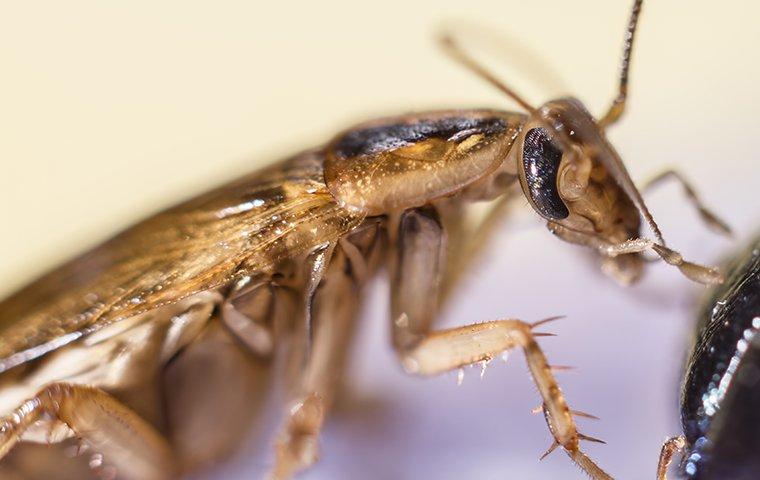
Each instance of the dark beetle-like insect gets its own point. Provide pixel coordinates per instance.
(129, 348)
(720, 396)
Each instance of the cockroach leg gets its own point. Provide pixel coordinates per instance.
(248, 312)
(416, 268)
(214, 390)
(316, 264)
(117, 435)
(448, 350)
(713, 221)
(670, 448)
(318, 370)
(694, 271)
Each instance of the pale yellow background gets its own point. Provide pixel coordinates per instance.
(112, 110)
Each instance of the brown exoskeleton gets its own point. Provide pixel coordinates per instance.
(130, 348)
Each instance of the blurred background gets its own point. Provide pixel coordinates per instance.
(111, 111)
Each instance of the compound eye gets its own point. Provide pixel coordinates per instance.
(541, 161)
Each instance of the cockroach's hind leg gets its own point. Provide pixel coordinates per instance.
(121, 441)
(671, 447)
(710, 219)
(451, 349)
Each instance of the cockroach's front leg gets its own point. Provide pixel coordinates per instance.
(670, 448)
(710, 219)
(317, 369)
(694, 271)
(415, 284)
(126, 442)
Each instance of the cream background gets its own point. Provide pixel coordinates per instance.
(112, 110)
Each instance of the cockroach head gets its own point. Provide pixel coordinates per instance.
(573, 177)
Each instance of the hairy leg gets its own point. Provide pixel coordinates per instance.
(416, 269)
(119, 437)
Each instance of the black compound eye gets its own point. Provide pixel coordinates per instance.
(541, 161)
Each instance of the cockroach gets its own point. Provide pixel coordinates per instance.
(126, 351)
(721, 387)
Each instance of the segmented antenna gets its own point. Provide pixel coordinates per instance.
(456, 52)
(617, 108)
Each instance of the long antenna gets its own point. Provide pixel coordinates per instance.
(617, 108)
(456, 52)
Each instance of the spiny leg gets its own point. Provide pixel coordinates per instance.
(670, 448)
(119, 436)
(318, 369)
(452, 349)
(708, 217)
(416, 266)
(128, 366)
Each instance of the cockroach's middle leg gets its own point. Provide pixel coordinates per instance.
(131, 445)
(418, 261)
(317, 369)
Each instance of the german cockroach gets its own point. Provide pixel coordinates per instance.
(125, 352)
(721, 388)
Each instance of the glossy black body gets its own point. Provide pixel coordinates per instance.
(541, 161)
(720, 397)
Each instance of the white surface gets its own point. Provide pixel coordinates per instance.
(111, 111)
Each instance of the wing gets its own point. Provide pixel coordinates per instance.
(248, 225)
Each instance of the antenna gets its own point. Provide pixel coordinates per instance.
(457, 53)
(617, 108)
